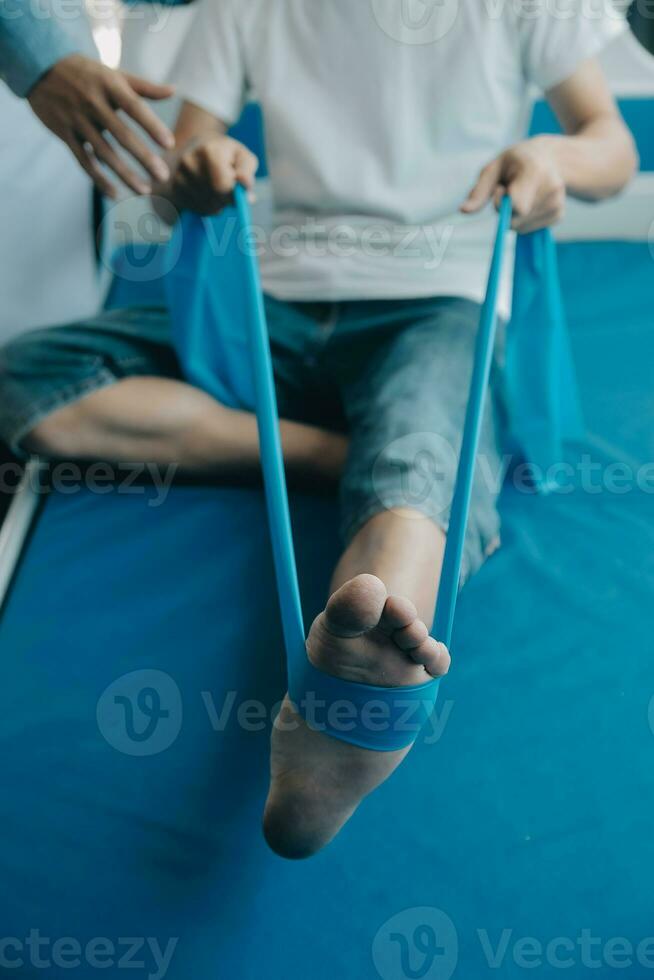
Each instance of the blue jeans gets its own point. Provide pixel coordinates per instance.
(394, 374)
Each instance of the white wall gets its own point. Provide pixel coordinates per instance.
(48, 273)
(630, 70)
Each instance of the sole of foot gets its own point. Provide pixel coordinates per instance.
(317, 781)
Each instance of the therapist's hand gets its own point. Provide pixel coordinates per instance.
(80, 99)
(530, 173)
(207, 172)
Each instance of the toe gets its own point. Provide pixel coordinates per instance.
(433, 656)
(411, 636)
(356, 607)
(398, 614)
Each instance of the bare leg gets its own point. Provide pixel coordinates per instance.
(367, 636)
(145, 419)
(402, 548)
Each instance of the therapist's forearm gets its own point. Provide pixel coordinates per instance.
(597, 161)
(30, 45)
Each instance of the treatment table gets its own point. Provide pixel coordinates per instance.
(142, 655)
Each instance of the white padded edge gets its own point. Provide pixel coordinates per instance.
(628, 217)
(17, 524)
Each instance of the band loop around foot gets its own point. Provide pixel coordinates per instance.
(383, 719)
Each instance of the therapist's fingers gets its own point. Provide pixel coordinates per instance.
(107, 155)
(89, 164)
(149, 90)
(79, 97)
(128, 97)
(128, 139)
(484, 189)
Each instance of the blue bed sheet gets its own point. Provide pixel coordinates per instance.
(530, 815)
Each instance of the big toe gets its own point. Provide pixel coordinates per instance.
(356, 607)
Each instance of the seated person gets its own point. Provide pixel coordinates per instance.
(373, 274)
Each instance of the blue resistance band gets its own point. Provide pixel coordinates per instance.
(378, 718)
(542, 393)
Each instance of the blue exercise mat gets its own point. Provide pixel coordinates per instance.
(528, 814)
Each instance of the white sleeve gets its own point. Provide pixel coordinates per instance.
(557, 35)
(210, 68)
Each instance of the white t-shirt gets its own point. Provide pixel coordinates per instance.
(379, 115)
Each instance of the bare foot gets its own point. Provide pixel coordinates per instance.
(317, 782)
